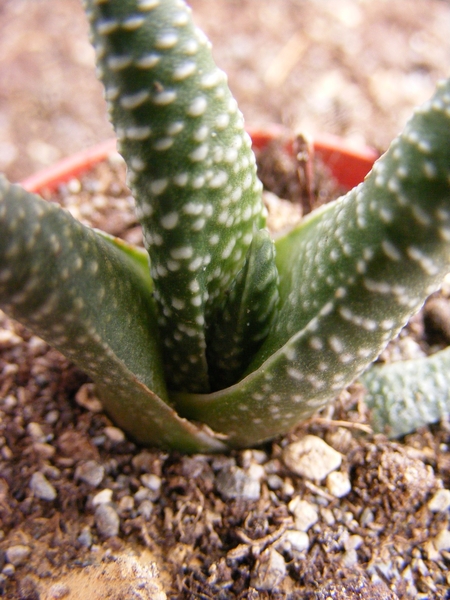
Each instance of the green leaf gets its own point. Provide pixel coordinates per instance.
(90, 297)
(249, 310)
(350, 277)
(190, 167)
(406, 395)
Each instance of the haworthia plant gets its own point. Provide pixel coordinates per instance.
(229, 339)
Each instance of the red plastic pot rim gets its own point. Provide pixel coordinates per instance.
(347, 164)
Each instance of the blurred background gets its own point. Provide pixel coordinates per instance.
(355, 68)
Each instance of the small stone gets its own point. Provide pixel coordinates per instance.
(367, 517)
(6, 453)
(8, 338)
(353, 542)
(338, 484)
(299, 540)
(85, 537)
(9, 570)
(46, 451)
(86, 398)
(90, 472)
(126, 504)
(442, 540)
(440, 502)
(327, 515)
(341, 439)
(304, 512)
(107, 520)
(17, 555)
(114, 434)
(143, 493)
(9, 402)
(312, 458)
(288, 489)
(35, 431)
(256, 472)
(259, 456)
(269, 571)
(143, 461)
(41, 487)
(431, 551)
(350, 558)
(52, 416)
(152, 482)
(145, 509)
(103, 497)
(233, 482)
(50, 471)
(274, 482)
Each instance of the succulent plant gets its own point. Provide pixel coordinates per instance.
(229, 338)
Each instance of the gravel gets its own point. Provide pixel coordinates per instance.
(41, 487)
(90, 472)
(103, 497)
(338, 484)
(17, 555)
(269, 571)
(440, 502)
(312, 458)
(233, 482)
(107, 520)
(304, 512)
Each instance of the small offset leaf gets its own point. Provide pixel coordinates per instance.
(406, 395)
(244, 321)
(190, 167)
(89, 296)
(350, 277)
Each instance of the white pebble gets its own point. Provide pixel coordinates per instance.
(103, 497)
(90, 472)
(338, 484)
(145, 509)
(440, 502)
(298, 540)
(442, 540)
(35, 431)
(114, 434)
(18, 554)
(312, 458)
(107, 520)
(304, 512)
(41, 487)
(152, 482)
(269, 571)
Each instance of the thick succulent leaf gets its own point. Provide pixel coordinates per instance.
(404, 396)
(90, 297)
(350, 277)
(249, 310)
(190, 166)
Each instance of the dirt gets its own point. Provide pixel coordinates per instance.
(170, 524)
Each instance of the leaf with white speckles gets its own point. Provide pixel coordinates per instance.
(190, 167)
(406, 395)
(90, 297)
(249, 310)
(350, 277)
